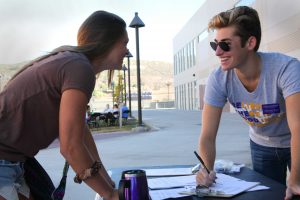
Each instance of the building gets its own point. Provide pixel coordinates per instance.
(194, 59)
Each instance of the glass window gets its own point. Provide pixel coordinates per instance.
(244, 3)
(194, 51)
(175, 64)
(202, 35)
(190, 53)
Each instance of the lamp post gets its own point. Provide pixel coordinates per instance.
(0, 83)
(124, 68)
(113, 92)
(168, 85)
(137, 23)
(129, 55)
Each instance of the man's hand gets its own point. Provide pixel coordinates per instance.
(205, 179)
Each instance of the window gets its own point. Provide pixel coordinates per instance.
(202, 35)
(244, 3)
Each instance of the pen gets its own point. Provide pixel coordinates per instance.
(200, 159)
(202, 162)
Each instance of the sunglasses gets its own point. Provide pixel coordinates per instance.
(223, 45)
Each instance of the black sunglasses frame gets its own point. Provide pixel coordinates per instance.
(223, 45)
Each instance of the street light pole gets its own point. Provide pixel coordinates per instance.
(137, 23)
(124, 68)
(168, 85)
(113, 92)
(129, 55)
(0, 82)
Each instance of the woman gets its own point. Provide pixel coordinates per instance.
(48, 99)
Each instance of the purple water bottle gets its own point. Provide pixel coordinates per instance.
(133, 185)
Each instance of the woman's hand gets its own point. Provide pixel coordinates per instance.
(292, 190)
(112, 183)
(114, 195)
(205, 179)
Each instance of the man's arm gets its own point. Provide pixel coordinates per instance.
(211, 116)
(207, 143)
(293, 117)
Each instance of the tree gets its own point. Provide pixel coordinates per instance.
(118, 90)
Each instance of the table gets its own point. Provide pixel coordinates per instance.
(276, 191)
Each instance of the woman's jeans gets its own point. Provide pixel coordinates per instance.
(271, 161)
(12, 180)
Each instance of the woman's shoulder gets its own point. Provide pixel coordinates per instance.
(68, 56)
(73, 63)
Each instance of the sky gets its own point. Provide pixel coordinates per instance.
(30, 28)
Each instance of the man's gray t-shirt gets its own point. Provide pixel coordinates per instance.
(263, 109)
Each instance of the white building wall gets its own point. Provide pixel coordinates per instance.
(280, 21)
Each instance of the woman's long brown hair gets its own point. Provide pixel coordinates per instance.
(96, 37)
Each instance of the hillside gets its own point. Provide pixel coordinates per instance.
(10, 69)
(7, 71)
(154, 74)
(156, 77)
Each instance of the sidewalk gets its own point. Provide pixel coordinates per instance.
(172, 141)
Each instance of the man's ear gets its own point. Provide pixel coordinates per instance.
(251, 43)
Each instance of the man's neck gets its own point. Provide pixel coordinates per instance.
(249, 72)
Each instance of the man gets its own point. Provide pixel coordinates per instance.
(264, 89)
(125, 112)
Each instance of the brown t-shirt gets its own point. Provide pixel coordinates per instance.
(29, 105)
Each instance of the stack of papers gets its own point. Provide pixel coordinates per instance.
(226, 186)
(172, 185)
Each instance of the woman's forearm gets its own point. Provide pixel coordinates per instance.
(92, 148)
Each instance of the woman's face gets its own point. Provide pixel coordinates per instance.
(114, 59)
(117, 54)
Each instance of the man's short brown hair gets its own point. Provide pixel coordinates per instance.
(244, 19)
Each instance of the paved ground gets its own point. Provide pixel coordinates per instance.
(172, 141)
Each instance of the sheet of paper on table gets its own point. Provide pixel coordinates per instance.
(168, 172)
(225, 186)
(169, 193)
(181, 192)
(171, 182)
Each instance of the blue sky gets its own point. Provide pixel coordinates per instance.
(30, 28)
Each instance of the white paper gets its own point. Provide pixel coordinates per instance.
(98, 197)
(228, 185)
(258, 187)
(171, 182)
(225, 185)
(168, 172)
(164, 194)
(109, 172)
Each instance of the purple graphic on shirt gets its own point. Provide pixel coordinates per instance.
(258, 114)
(271, 108)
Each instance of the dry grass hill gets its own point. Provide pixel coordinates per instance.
(156, 77)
